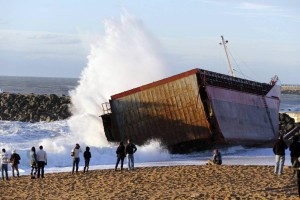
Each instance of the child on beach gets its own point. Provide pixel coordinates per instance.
(87, 156)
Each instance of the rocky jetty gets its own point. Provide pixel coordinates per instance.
(287, 126)
(33, 107)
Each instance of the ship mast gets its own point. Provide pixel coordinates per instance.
(225, 48)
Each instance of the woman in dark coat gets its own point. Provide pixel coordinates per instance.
(120, 155)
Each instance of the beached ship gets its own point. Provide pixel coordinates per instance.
(195, 110)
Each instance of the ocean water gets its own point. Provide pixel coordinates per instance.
(290, 103)
(37, 85)
(124, 50)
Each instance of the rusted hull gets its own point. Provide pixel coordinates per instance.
(171, 112)
(195, 110)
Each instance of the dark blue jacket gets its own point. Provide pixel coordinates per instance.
(279, 147)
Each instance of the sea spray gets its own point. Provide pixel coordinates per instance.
(127, 56)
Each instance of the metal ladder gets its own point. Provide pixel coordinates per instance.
(269, 115)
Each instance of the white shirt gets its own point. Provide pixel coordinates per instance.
(76, 152)
(4, 158)
(41, 155)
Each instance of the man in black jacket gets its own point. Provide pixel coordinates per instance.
(295, 149)
(279, 151)
(14, 162)
(130, 150)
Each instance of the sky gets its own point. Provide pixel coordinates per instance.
(52, 38)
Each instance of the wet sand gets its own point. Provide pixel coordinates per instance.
(175, 182)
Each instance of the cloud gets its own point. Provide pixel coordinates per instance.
(40, 37)
(41, 53)
(53, 38)
(257, 7)
(40, 43)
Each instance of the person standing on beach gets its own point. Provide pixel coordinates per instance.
(120, 155)
(14, 162)
(295, 149)
(41, 156)
(33, 162)
(279, 151)
(4, 164)
(130, 150)
(75, 154)
(87, 156)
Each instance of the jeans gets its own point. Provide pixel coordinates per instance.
(130, 161)
(41, 166)
(279, 163)
(86, 165)
(75, 163)
(122, 162)
(4, 169)
(13, 168)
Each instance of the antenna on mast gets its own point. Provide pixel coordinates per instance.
(225, 48)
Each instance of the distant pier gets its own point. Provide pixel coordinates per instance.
(285, 87)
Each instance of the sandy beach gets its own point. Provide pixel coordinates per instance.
(176, 182)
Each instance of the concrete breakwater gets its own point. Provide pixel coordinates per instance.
(33, 107)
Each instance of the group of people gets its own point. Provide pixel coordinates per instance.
(122, 151)
(87, 157)
(279, 150)
(38, 161)
(14, 161)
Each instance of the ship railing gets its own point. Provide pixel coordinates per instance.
(106, 108)
(225, 81)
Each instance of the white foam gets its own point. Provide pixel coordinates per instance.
(125, 57)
